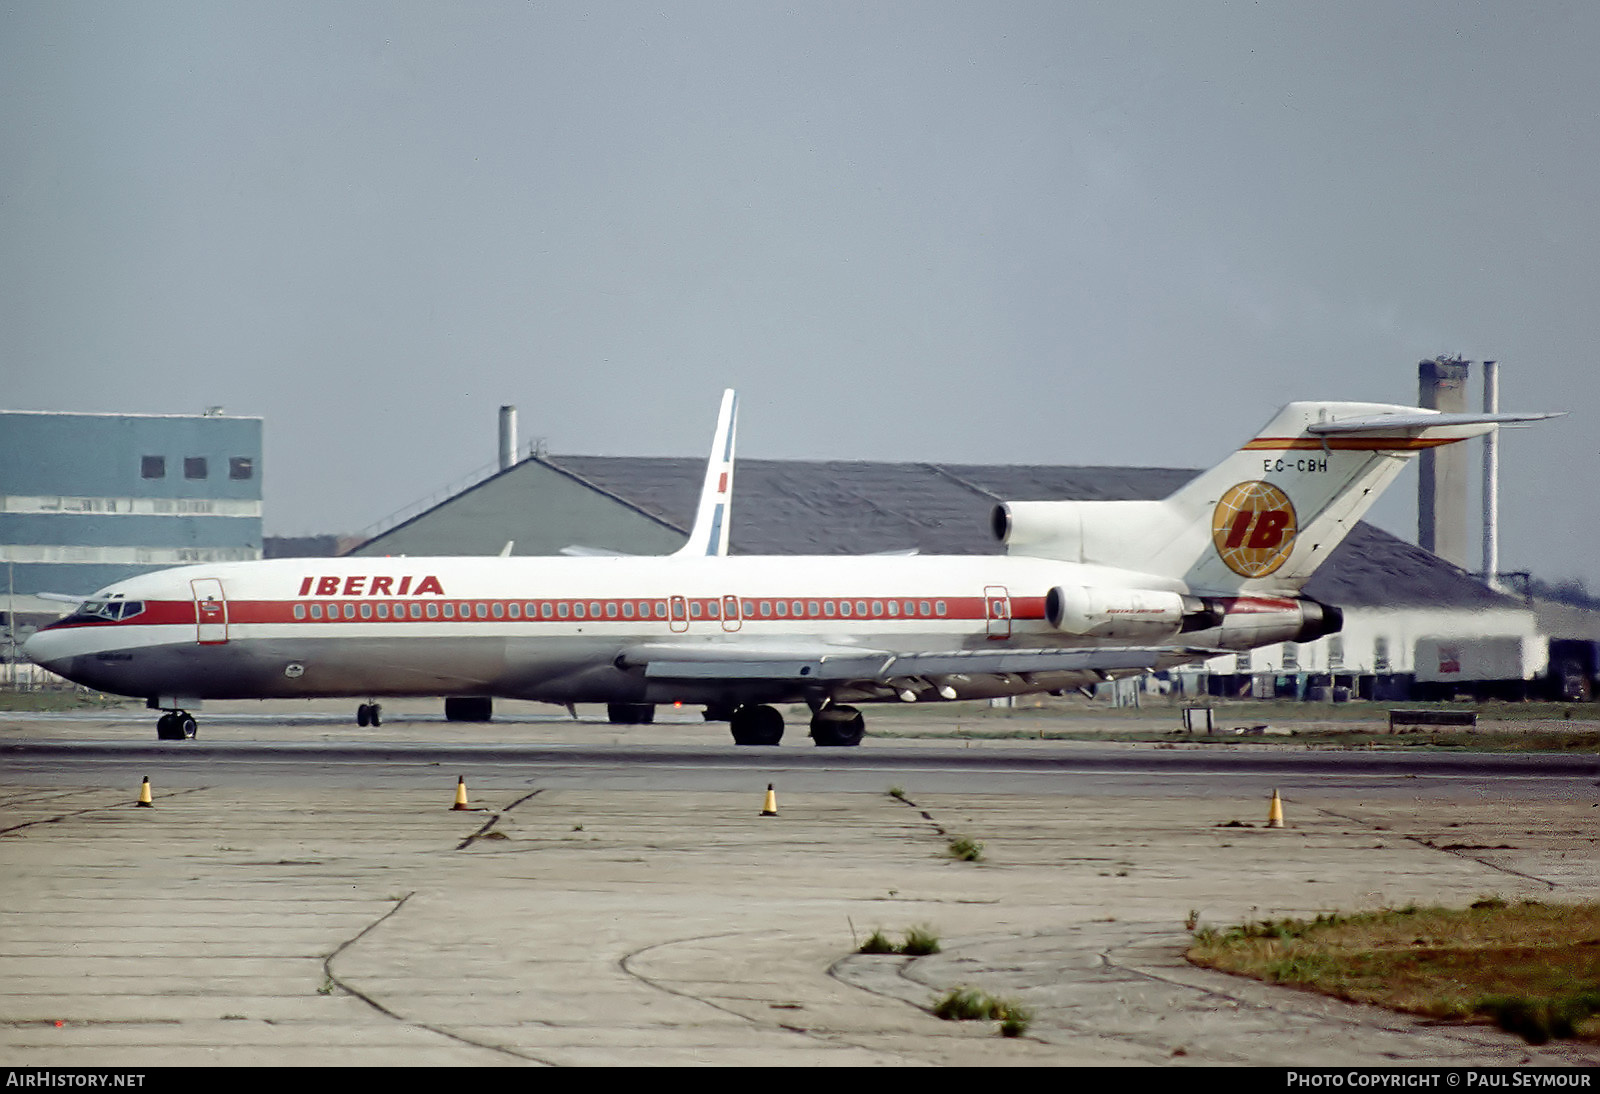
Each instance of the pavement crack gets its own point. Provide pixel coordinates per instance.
(626, 965)
(927, 816)
(69, 814)
(1459, 852)
(488, 825)
(348, 988)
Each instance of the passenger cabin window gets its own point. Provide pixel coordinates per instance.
(153, 467)
(194, 467)
(241, 467)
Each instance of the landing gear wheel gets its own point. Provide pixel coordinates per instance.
(469, 708)
(838, 727)
(369, 714)
(757, 725)
(631, 714)
(175, 725)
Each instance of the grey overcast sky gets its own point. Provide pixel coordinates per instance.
(1060, 232)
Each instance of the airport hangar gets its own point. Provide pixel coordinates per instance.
(90, 499)
(1392, 592)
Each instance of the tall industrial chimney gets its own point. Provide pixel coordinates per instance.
(508, 436)
(1491, 478)
(1442, 488)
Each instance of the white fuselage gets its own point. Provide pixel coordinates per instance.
(556, 629)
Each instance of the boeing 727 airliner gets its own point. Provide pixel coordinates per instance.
(1087, 591)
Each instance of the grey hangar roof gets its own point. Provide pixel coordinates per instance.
(640, 505)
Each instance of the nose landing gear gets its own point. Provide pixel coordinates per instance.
(369, 714)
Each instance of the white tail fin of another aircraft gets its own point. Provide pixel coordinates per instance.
(709, 536)
(1266, 517)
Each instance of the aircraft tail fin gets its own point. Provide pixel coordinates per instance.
(709, 536)
(1264, 518)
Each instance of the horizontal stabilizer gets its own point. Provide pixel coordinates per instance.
(1415, 422)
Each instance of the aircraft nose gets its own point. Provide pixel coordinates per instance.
(49, 649)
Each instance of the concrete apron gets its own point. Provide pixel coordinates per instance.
(309, 925)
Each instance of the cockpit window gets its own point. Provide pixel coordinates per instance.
(111, 610)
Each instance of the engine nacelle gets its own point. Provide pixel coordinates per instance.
(1133, 614)
(1250, 621)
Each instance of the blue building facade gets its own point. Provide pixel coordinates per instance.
(89, 499)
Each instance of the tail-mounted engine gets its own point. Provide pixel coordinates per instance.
(1140, 615)
(1244, 622)
(1149, 615)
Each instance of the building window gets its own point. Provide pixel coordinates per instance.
(241, 467)
(153, 467)
(1380, 654)
(194, 467)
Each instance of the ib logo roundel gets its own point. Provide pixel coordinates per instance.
(1254, 528)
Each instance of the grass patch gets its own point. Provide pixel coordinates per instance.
(971, 1005)
(61, 699)
(918, 941)
(966, 849)
(877, 942)
(1531, 968)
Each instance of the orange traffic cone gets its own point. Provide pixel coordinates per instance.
(144, 794)
(461, 794)
(770, 807)
(1275, 811)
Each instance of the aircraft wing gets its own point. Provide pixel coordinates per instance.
(833, 664)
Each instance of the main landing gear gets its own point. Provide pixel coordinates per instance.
(831, 726)
(630, 714)
(756, 725)
(369, 714)
(176, 725)
(838, 727)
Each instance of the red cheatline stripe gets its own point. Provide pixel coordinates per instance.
(908, 610)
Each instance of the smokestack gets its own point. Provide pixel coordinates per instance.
(508, 436)
(1442, 488)
(1491, 478)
